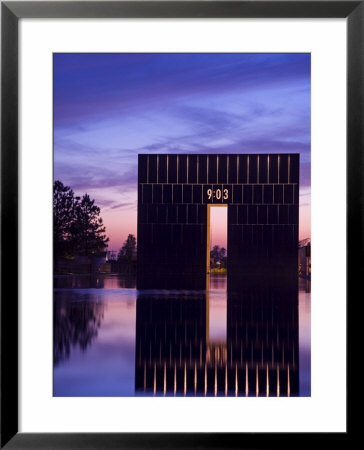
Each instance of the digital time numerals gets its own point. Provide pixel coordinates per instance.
(217, 194)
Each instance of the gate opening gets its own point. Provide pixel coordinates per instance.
(216, 279)
(216, 257)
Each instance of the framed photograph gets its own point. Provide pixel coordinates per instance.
(165, 169)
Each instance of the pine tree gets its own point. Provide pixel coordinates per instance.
(77, 226)
(63, 216)
(88, 231)
(128, 249)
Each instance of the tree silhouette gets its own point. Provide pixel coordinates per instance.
(217, 256)
(77, 225)
(87, 230)
(128, 249)
(63, 216)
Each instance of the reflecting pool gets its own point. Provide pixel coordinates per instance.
(112, 340)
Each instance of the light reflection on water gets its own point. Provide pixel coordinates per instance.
(95, 333)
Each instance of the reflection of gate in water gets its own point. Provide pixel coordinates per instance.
(174, 192)
(259, 356)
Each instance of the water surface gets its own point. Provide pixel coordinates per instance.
(111, 340)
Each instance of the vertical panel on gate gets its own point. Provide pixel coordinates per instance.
(263, 218)
(172, 221)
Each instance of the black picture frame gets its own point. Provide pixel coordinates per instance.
(11, 12)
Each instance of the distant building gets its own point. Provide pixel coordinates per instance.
(111, 255)
(83, 264)
(304, 258)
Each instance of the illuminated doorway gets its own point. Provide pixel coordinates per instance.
(216, 255)
(216, 284)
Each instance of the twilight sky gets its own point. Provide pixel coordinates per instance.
(110, 107)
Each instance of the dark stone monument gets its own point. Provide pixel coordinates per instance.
(261, 192)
